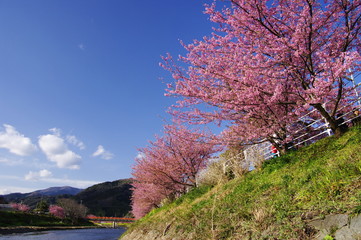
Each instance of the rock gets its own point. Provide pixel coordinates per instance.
(350, 232)
(340, 226)
(330, 222)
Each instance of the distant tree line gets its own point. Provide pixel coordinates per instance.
(65, 208)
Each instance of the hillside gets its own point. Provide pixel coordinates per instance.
(108, 198)
(311, 193)
(54, 191)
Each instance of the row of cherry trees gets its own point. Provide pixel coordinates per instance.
(266, 65)
(66, 208)
(168, 167)
(54, 210)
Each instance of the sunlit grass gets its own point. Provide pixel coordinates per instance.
(317, 180)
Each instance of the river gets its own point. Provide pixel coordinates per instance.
(74, 234)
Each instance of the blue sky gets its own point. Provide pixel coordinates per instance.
(80, 85)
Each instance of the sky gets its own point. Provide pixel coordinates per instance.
(81, 86)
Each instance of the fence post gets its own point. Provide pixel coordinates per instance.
(355, 88)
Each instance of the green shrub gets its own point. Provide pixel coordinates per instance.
(328, 237)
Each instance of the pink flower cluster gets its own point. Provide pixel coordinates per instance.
(20, 207)
(267, 64)
(57, 211)
(168, 166)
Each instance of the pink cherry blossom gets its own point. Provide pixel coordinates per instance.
(20, 207)
(267, 64)
(57, 211)
(168, 166)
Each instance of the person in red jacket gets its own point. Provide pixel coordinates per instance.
(274, 151)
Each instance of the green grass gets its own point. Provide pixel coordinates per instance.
(16, 219)
(274, 202)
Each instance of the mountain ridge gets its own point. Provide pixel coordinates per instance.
(111, 198)
(51, 191)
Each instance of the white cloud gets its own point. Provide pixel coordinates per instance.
(45, 173)
(37, 175)
(55, 131)
(57, 151)
(102, 153)
(15, 142)
(31, 176)
(76, 142)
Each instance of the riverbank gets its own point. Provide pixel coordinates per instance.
(24, 229)
(22, 222)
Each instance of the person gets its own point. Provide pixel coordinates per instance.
(356, 118)
(274, 151)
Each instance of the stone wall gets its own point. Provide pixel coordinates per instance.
(339, 226)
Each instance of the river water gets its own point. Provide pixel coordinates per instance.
(74, 234)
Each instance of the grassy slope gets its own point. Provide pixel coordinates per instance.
(272, 203)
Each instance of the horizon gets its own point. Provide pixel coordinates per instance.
(65, 186)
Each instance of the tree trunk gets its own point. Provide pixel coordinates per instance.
(336, 126)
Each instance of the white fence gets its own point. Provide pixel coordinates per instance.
(314, 128)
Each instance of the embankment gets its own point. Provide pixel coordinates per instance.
(308, 194)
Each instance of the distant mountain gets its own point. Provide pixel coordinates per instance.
(49, 195)
(52, 191)
(55, 191)
(107, 199)
(14, 196)
(103, 199)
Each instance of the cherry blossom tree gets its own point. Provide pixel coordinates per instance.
(147, 196)
(20, 207)
(267, 64)
(57, 211)
(168, 166)
(72, 210)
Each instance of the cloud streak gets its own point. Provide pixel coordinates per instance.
(76, 142)
(11, 162)
(34, 176)
(102, 153)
